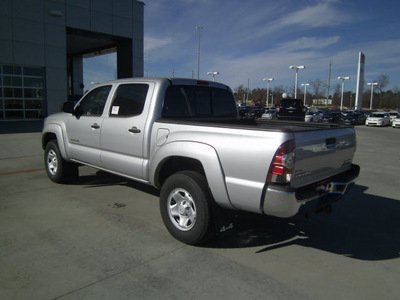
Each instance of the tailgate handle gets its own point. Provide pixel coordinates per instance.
(330, 141)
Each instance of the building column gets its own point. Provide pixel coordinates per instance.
(75, 76)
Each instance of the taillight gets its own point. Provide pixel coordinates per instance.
(282, 166)
(201, 82)
(278, 108)
(304, 109)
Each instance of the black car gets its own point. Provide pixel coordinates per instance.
(354, 118)
(245, 112)
(331, 117)
(291, 109)
(257, 111)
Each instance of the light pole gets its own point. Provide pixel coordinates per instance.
(248, 90)
(213, 74)
(297, 68)
(198, 53)
(372, 92)
(268, 80)
(305, 91)
(343, 79)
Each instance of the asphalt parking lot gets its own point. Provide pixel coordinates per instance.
(103, 238)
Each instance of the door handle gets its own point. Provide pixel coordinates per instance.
(95, 126)
(134, 129)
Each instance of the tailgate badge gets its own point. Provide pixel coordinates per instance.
(300, 173)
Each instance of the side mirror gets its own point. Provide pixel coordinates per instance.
(68, 107)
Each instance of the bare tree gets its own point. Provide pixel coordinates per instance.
(318, 86)
(382, 81)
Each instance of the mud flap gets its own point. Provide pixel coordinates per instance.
(224, 219)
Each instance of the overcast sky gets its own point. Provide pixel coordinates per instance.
(262, 38)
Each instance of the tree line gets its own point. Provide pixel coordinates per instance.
(317, 89)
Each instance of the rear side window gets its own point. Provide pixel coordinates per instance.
(198, 102)
(291, 102)
(129, 100)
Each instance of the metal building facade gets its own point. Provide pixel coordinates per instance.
(43, 43)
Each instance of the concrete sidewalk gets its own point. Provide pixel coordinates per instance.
(20, 144)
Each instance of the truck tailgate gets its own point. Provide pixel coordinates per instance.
(322, 153)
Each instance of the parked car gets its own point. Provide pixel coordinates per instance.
(330, 117)
(291, 109)
(245, 112)
(248, 112)
(257, 111)
(393, 115)
(353, 118)
(313, 116)
(269, 113)
(378, 119)
(396, 122)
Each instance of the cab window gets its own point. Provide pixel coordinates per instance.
(198, 102)
(129, 100)
(93, 103)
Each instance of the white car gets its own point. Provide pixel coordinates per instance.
(378, 119)
(393, 115)
(312, 116)
(396, 122)
(269, 113)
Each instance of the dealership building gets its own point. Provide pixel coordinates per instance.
(42, 47)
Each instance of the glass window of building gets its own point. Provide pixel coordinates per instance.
(21, 92)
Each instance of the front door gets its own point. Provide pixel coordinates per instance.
(84, 127)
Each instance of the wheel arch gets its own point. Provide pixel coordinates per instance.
(54, 132)
(202, 158)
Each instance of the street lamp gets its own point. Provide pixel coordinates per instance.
(372, 92)
(297, 68)
(343, 79)
(198, 53)
(213, 74)
(268, 80)
(305, 91)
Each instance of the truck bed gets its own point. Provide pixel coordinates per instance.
(322, 150)
(259, 124)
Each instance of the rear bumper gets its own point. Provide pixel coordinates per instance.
(284, 201)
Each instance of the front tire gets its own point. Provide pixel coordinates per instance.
(185, 206)
(57, 168)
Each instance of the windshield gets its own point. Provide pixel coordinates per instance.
(378, 115)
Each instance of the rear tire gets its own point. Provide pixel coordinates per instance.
(57, 168)
(185, 206)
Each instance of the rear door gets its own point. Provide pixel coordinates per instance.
(124, 130)
(83, 128)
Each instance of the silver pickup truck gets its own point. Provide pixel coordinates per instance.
(184, 137)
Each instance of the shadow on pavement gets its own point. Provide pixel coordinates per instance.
(362, 226)
(101, 178)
